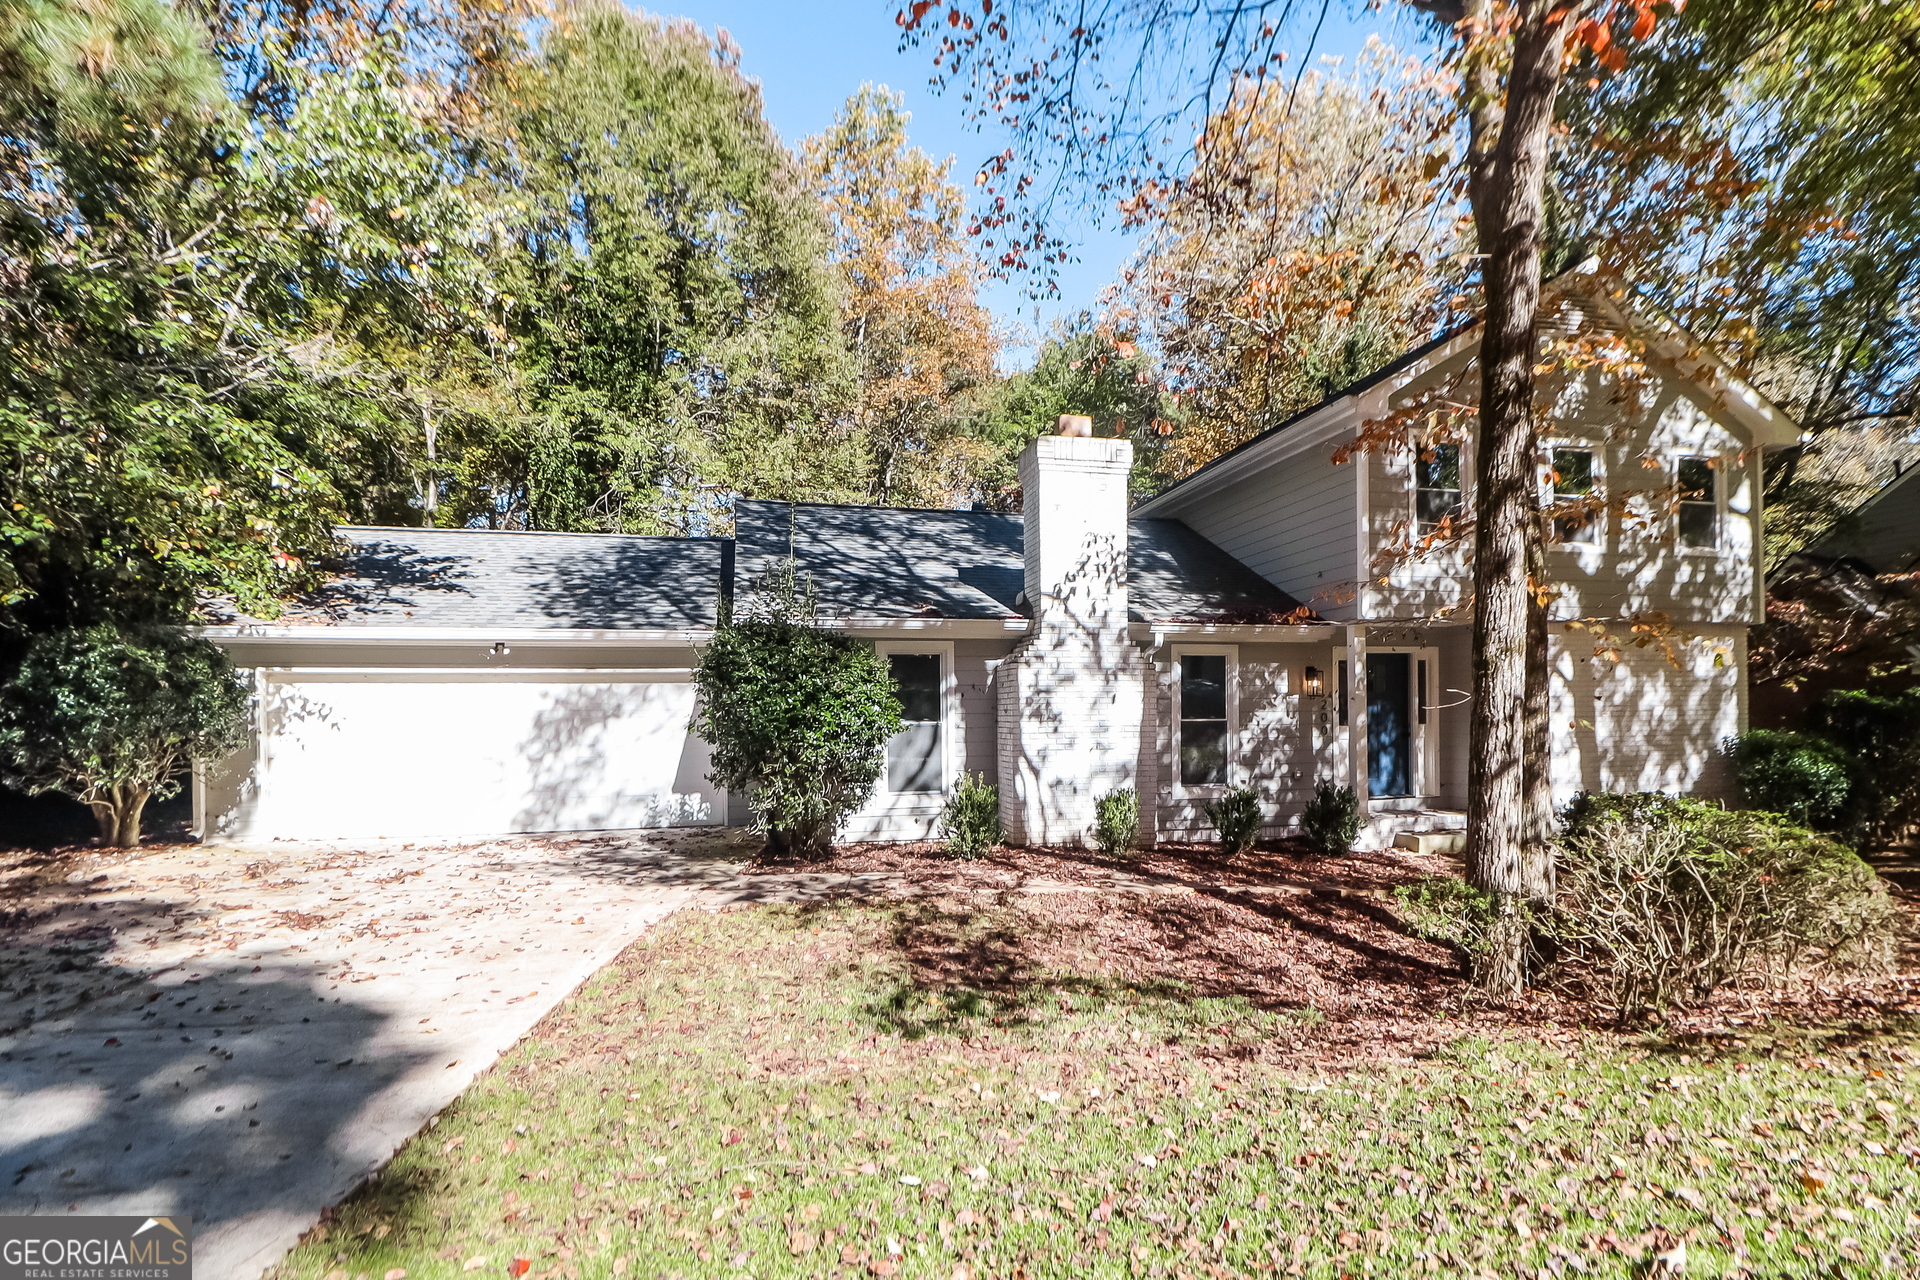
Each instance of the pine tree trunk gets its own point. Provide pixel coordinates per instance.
(1506, 185)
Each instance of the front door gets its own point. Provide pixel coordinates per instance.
(1389, 724)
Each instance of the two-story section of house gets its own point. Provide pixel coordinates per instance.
(1651, 463)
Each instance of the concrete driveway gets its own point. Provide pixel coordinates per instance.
(243, 1034)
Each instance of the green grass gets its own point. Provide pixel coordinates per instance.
(785, 1093)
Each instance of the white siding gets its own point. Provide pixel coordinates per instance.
(1295, 524)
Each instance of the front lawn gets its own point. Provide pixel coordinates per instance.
(942, 1091)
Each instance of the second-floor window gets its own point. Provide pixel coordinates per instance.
(1573, 479)
(1436, 473)
(1699, 504)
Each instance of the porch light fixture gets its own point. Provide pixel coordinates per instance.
(1313, 684)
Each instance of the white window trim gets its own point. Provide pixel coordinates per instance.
(1235, 772)
(1599, 521)
(885, 801)
(1426, 737)
(1718, 461)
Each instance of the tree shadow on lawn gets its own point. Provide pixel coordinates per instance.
(1173, 968)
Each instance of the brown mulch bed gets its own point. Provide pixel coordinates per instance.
(1361, 988)
(1279, 862)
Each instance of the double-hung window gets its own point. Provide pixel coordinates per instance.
(1436, 478)
(915, 755)
(1203, 719)
(1698, 515)
(1573, 479)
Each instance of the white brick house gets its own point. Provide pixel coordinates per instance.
(1239, 628)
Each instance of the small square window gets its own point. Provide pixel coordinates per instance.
(1699, 503)
(1573, 479)
(1436, 473)
(1203, 719)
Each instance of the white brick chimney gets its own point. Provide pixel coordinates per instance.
(1070, 695)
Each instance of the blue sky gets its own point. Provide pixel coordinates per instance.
(809, 57)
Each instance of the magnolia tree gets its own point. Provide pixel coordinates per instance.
(114, 719)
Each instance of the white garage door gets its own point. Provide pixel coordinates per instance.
(434, 753)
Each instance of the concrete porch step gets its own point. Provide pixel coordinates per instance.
(1431, 841)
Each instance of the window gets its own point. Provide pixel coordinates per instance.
(1343, 691)
(1699, 512)
(1420, 697)
(1573, 479)
(1436, 475)
(915, 761)
(1203, 719)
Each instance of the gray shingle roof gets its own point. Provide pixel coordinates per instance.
(893, 562)
(876, 562)
(479, 578)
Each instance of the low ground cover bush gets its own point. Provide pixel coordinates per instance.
(970, 823)
(1236, 819)
(1662, 900)
(1116, 821)
(1331, 821)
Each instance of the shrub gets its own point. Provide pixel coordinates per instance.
(970, 823)
(1116, 821)
(797, 716)
(1331, 821)
(1804, 777)
(1451, 912)
(1667, 899)
(113, 719)
(1236, 817)
(1881, 736)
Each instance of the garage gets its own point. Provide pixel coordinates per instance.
(465, 683)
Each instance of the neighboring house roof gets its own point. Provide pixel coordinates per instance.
(1883, 533)
(894, 562)
(478, 578)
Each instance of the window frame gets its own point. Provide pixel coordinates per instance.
(1460, 449)
(1716, 464)
(949, 722)
(1548, 497)
(1207, 790)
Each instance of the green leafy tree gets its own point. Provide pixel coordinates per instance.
(114, 718)
(206, 308)
(1089, 366)
(675, 319)
(798, 716)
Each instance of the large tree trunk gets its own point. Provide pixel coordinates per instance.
(1506, 185)
(118, 815)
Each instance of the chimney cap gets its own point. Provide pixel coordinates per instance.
(1073, 424)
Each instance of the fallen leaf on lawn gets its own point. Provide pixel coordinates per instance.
(508, 1147)
(454, 1144)
(1148, 1161)
(620, 1264)
(961, 1273)
(398, 1273)
(869, 1167)
(518, 1267)
(1688, 1194)
(1812, 1182)
(380, 1232)
(1103, 1211)
(978, 1173)
(732, 1138)
(800, 1242)
(885, 1267)
(811, 1213)
(1674, 1260)
(908, 1180)
(474, 1263)
(720, 1211)
(1051, 1096)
